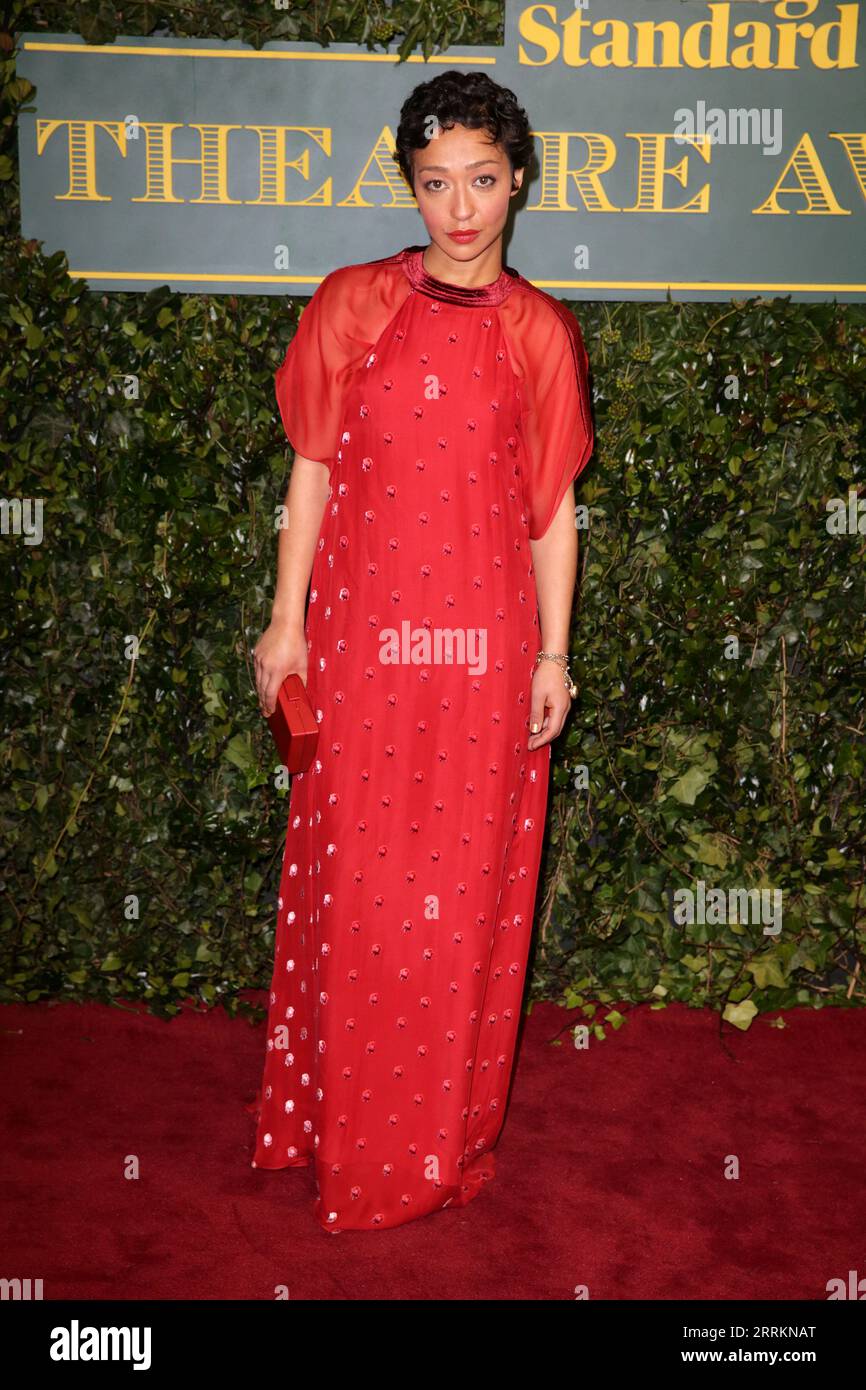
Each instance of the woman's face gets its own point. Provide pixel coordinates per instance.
(463, 183)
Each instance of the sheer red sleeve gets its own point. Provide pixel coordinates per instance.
(550, 359)
(311, 381)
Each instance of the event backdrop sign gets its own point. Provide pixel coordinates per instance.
(709, 151)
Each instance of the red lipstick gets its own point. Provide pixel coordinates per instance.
(463, 236)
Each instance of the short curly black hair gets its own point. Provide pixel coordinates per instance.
(471, 99)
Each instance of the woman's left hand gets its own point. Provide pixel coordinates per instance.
(549, 704)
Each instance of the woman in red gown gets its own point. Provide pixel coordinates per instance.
(448, 400)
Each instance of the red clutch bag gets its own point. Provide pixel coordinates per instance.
(294, 726)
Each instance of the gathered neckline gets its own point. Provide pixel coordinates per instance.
(411, 259)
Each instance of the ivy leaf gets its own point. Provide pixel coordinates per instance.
(687, 789)
(239, 751)
(710, 849)
(741, 1014)
(766, 970)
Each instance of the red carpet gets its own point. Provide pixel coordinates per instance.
(610, 1169)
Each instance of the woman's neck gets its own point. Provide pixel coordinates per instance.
(469, 275)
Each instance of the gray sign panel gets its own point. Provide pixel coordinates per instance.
(710, 151)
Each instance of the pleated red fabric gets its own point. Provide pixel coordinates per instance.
(452, 422)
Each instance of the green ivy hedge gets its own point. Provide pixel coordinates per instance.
(718, 636)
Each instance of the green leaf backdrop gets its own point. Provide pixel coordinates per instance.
(718, 636)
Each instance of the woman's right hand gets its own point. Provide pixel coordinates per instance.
(280, 651)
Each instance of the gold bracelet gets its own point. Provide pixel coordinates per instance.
(566, 673)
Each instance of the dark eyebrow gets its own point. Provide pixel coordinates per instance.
(443, 168)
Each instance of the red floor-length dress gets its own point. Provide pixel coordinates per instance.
(452, 421)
